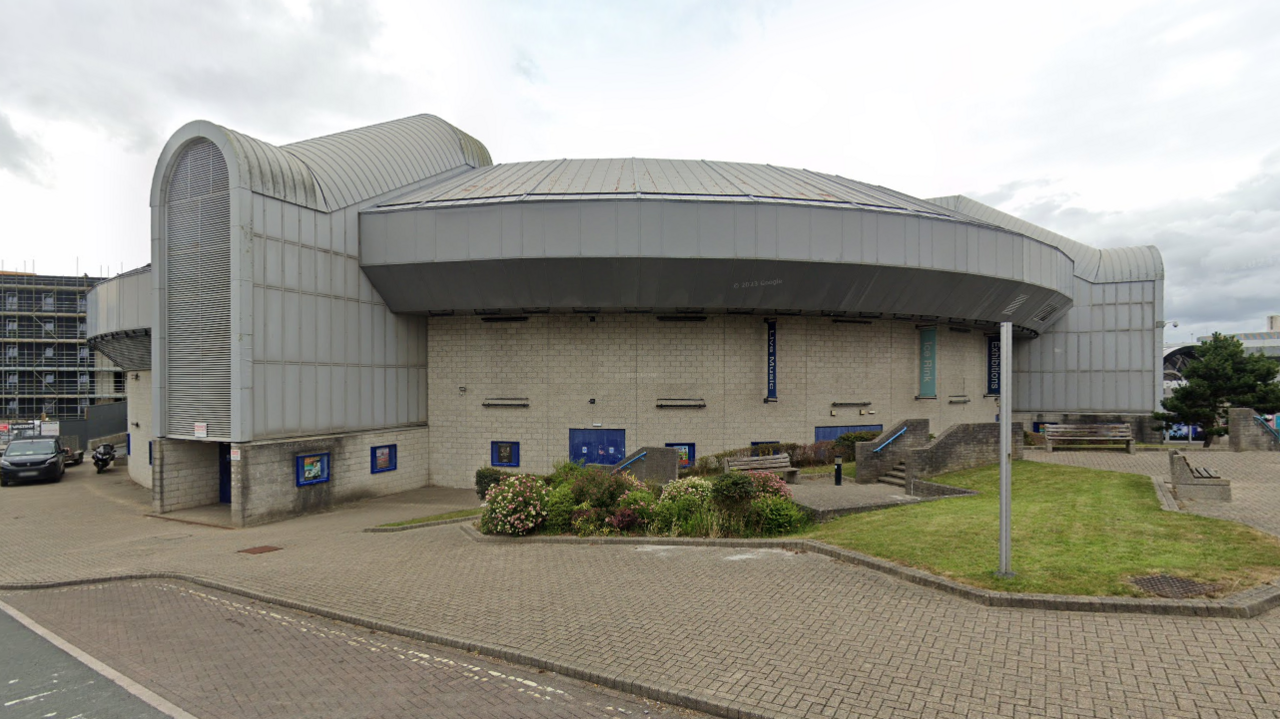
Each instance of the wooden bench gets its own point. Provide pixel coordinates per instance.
(1196, 483)
(1108, 434)
(779, 464)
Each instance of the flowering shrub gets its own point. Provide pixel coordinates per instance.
(641, 502)
(691, 487)
(769, 484)
(624, 520)
(516, 506)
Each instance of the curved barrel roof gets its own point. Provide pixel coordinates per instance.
(347, 168)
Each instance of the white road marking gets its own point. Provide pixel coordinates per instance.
(155, 700)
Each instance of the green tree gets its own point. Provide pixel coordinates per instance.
(1221, 376)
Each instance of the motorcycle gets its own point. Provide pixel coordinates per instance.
(103, 456)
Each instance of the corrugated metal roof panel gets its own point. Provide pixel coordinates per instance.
(348, 168)
(670, 179)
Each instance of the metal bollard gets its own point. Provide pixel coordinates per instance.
(839, 470)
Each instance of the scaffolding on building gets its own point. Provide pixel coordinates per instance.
(47, 369)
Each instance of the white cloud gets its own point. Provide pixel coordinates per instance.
(1114, 121)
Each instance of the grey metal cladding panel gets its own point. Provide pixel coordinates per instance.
(198, 285)
(672, 283)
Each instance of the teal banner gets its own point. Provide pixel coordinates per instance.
(929, 362)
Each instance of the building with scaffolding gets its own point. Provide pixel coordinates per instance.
(47, 369)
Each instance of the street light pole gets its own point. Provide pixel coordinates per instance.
(1006, 446)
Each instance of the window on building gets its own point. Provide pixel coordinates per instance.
(48, 378)
(11, 378)
(11, 301)
(48, 352)
(47, 301)
(84, 353)
(83, 378)
(48, 327)
(11, 351)
(11, 325)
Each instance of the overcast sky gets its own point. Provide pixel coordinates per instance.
(1116, 123)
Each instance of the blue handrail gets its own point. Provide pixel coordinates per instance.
(626, 464)
(1274, 432)
(890, 440)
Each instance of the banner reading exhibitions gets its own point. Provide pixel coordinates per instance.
(772, 396)
(929, 362)
(993, 364)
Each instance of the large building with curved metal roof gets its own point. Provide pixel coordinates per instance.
(391, 287)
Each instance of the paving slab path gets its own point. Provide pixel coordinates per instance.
(784, 634)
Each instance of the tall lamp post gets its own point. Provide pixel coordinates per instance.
(1006, 446)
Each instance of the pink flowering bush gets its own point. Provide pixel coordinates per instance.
(516, 506)
(696, 487)
(769, 484)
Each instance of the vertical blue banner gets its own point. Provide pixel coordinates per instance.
(993, 364)
(772, 396)
(929, 362)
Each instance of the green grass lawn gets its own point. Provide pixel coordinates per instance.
(1075, 531)
(437, 517)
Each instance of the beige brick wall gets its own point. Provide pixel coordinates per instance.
(626, 362)
(185, 474)
(263, 486)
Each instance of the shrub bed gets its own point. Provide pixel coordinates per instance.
(592, 500)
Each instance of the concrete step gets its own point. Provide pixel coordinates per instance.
(891, 478)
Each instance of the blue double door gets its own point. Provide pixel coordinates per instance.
(597, 446)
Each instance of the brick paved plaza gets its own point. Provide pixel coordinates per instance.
(782, 633)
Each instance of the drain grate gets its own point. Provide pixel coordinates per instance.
(259, 550)
(1163, 585)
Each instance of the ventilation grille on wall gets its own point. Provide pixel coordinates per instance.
(198, 317)
(1045, 312)
(1013, 306)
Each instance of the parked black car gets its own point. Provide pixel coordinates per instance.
(32, 459)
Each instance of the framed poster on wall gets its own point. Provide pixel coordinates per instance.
(311, 468)
(382, 458)
(504, 454)
(686, 451)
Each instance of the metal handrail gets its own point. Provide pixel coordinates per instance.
(626, 464)
(1274, 432)
(890, 440)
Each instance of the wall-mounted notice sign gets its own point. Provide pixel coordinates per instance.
(202, 429)
(772, 395)
(929, 362)
(993, 364)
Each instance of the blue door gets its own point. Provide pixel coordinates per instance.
(597, 446)
(224, 473)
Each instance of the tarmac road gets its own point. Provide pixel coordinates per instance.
(37, 679)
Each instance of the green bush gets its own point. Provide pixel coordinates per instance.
(560, 508)
(516, 506)
(489, 477)
(588, 520)
(771, 516)
(732, 491)
(566, 472)
(641, 502)
(846, 445)
(687, 515)
(601, 488)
